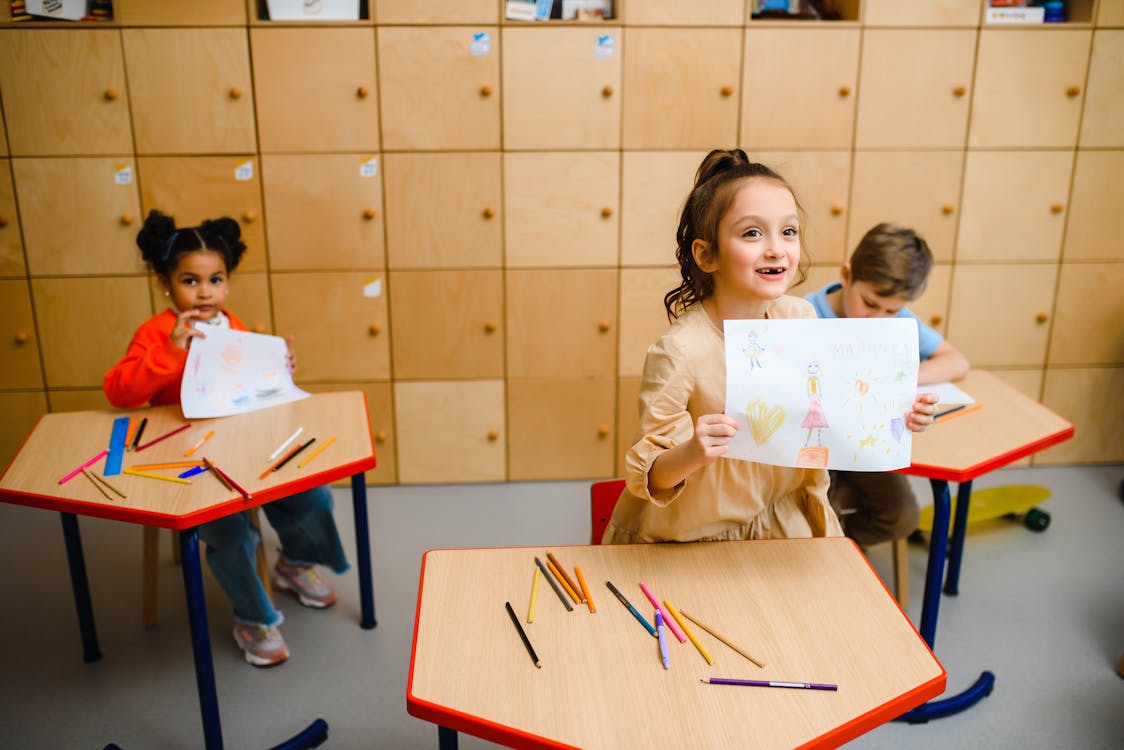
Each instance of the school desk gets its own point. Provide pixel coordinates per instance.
(810, 610)
(1010, 426)
(240, 446)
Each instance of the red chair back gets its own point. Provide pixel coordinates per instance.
(603, 498)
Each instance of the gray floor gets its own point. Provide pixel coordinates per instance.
(1044, 612)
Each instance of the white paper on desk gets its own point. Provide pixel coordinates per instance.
(830, 393)
(949, 394)
(231, 372)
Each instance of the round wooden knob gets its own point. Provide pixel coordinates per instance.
(490, 326)
(607, 91)
(606, 212)
(111, 95)
(362, 92)
(235, 92)
(380, 436)
(726, 91)
(3, 221)
(369, 213)
(947, 209)
(248, 217)
(493, 435)
(1073, 91)
(259, 328)
(604, 326)
(485, 90)
(127, 219)
(844, 91)
(374, 329)
(1056, 208)
(603, 431)
(488, 212)
(836, 209)
(1041, 317)
(959, 91)
(22, 337)
(936, 320)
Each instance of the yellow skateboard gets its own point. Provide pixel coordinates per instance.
(1006, 502)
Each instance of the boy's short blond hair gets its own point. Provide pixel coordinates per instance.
(894, 260)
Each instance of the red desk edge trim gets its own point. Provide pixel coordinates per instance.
(972, 472)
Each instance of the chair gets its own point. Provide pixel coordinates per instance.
(150, 553)
(603, 498)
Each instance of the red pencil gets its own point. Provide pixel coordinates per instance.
(223, 475)
(163, 437)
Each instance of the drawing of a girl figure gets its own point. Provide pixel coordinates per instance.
(752, 350)
(814, 419)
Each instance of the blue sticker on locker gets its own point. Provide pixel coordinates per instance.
(116, 447)
(481, 43)
(606, 45)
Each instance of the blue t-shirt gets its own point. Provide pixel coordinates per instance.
(927, 339)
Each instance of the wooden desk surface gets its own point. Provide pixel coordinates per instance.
(1010, 426)
(240, 447)
(811, 609)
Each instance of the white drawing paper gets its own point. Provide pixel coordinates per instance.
(830, 393)
(949, 394)
(232, 372)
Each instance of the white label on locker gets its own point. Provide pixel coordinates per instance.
(606, 45)
(122, 174)
(373, 288)
(481, 43)
(369, 167)
(244, 171)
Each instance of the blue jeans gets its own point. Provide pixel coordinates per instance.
(308, 535)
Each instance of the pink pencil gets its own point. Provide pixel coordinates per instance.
(86, 465)
(666, 617)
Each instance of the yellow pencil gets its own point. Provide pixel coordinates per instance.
(171, 465)
(558, 577)
(585, 590)
(534, 597)
(687, 630)
(317, 452)
(199, 445)
(150, 475)
(716, 635)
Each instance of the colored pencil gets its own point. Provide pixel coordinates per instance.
(199, 445)
(317, 452)
(662, 635)
(85, 465)
(958, 411)
(534, 596)
(687, 630)
(293, 453)
(585, 590)
(169, 465)
(719, 637)
(226, 478)
(193, 471)
(769, 683)
(628, 605)
(105, 483)
(218, 475)
(140, 431)
(569, 581)
(523, 635)
(150, 475)
(667, 618)
(98, 487)
(133, 424)
(550, 579)
(560, 577)
(165, 436)
(285, 444)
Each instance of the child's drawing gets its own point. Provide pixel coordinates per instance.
(231, 372)
(831, 395)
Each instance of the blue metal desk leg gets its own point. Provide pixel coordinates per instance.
(200, 638)
(446, 738)
(78, 582)
(363, 552)
(959, 529)
(938, 550)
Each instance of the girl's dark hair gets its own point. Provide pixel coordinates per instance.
(716, 182)
(161, 243)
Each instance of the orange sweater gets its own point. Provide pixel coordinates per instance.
(152, 369)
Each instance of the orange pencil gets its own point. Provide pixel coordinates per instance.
(585, 590)
(218, 475)
(569, 581)
(199, 445)
(168, 465)
(959, 411)
(133, 423)
(559, 575)
(280, 461)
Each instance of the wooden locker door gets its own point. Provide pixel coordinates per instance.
(1081, 396)
(822, 183)
(581, 108)
(932, 305)
(435, 11)
(654, 185)
(446, 324)
(194, 188)
(443, 210)
(643, 316)
(1087, 329)
(179, 13)
(680, 88)
(450, 431)
(679, 13)
(560, 428)
(440, 87)
(64, 92)
(915, 88)
(21, 409)
(11, 242)
(19, 344)
(380, 414)
(928, 13)
(1102, 123)
(567, 219)
(315, 89)
(323, 211)
(628, 418)
(191, 90)
(799, 87)
(79, 216)
(1096, 222)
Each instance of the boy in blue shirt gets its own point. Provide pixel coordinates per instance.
(888, 269)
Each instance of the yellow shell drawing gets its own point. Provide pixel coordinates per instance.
(764, 420)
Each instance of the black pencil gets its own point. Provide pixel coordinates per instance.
(140, 431)
(523, 635)
(289, 457)
(554, 584)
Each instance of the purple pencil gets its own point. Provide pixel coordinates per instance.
(770, 683)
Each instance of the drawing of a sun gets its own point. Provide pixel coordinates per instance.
(861, 389)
